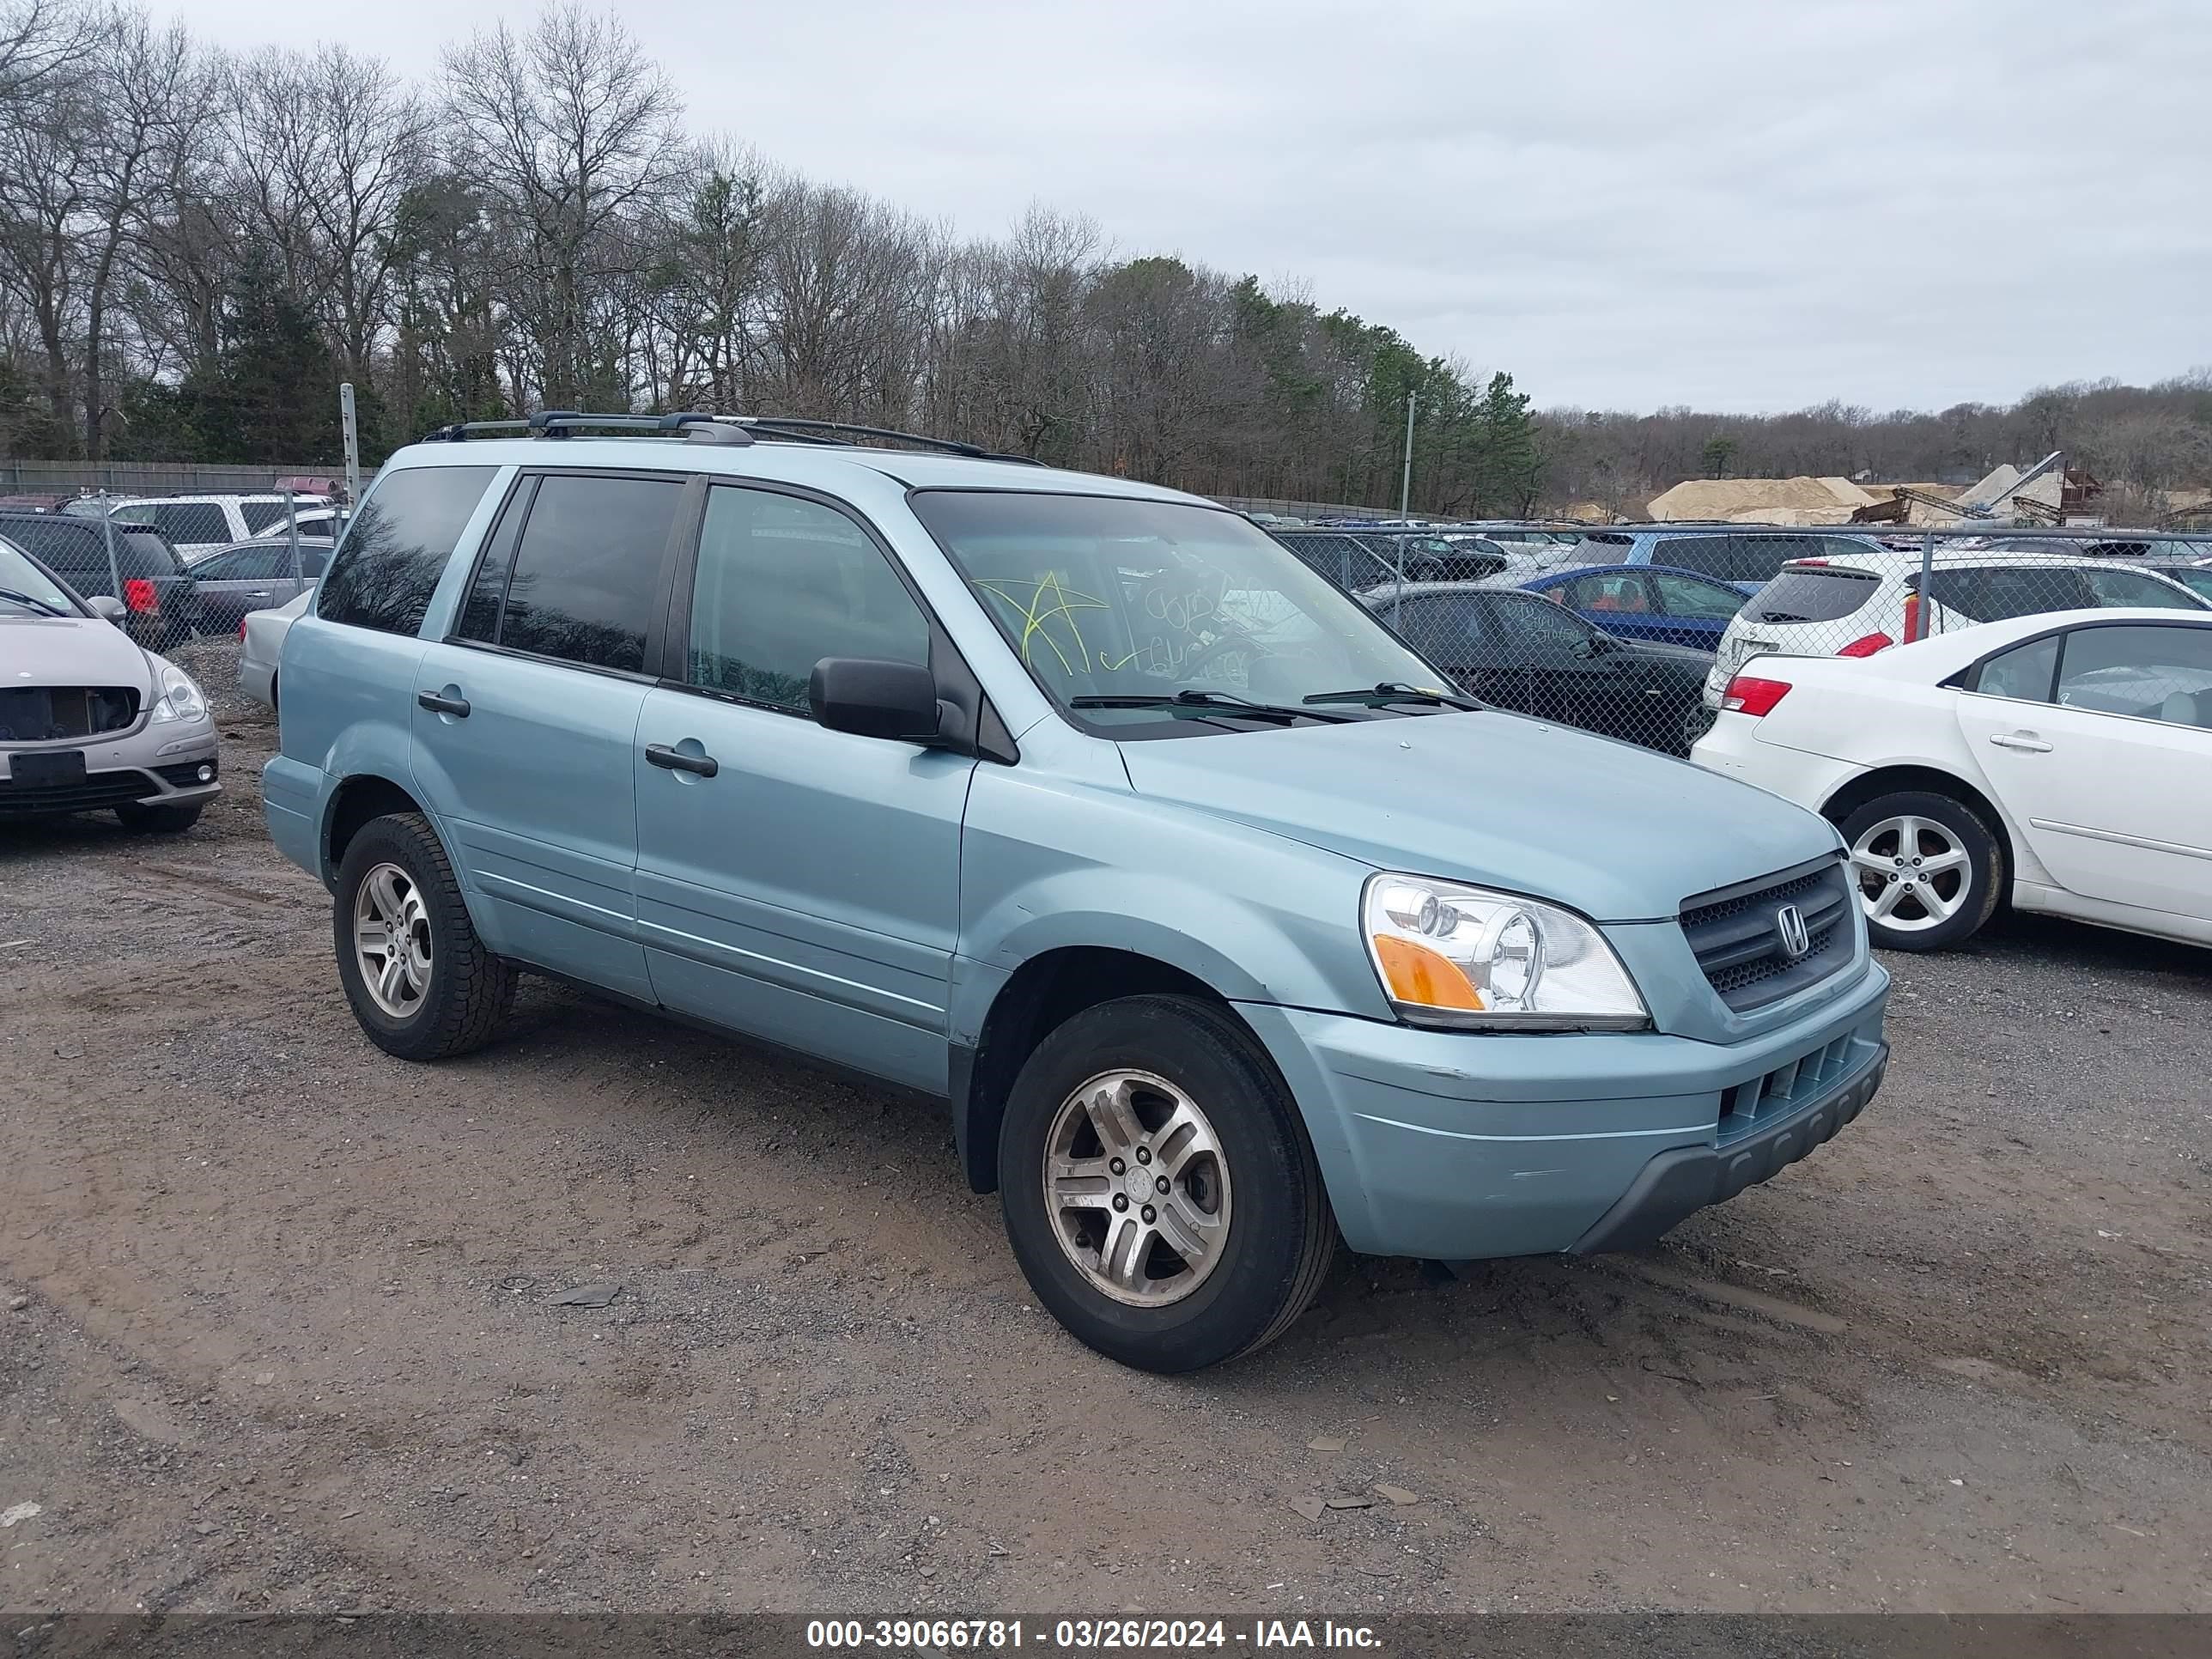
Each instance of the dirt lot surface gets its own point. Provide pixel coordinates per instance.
(283, 1329)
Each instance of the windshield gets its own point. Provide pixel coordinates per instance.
(19, 575)
(1106, 596)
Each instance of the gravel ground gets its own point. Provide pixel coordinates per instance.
(283, 1327)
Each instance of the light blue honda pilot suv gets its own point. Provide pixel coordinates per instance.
(1083, 805)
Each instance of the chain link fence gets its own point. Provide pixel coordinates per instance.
(1594, 632)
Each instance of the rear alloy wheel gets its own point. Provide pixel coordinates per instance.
(1927, 868)
(420, 980)
(1159, 1190)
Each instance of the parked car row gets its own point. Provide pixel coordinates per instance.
(2059, 762)
(198, 525)
(91, 720)
(1217, 915)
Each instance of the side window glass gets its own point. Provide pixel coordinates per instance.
(221, 568)
(260, 515)
(2025, 672)
(2118, 587)
(587, 567)
(782, 583)
(480, 608)
(260, 563)
(397, 547)
(1701, 601)
(1538, 631)
(2151, 673)
(192, 521)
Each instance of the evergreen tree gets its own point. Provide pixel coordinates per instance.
(1509, 466)
(273, 399)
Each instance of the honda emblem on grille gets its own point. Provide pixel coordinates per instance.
(1789, 925)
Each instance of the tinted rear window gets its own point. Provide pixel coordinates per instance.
(1994, 592)
(141, 553)
(260, 515)
(588, 570)
(1811, 596)
(397, 545)
(192, 521)
(77, 552)
(1735, 558)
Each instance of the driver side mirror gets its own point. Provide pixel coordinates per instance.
(107, 608)
(875, 699)
(1593, 646)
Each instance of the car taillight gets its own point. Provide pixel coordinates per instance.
(1867, 646)
(1747, 694)
(242, 630)
(138, 593)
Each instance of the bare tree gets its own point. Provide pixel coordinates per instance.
(570, 127)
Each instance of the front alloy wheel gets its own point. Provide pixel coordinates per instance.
(1160, 1192)
(1138, 1188)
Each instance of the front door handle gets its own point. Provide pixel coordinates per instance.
(675, 760)
(457, 707)
(2024, 741)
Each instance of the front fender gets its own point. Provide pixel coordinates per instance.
(1049, 864)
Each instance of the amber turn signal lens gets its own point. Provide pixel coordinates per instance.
(1423, 977)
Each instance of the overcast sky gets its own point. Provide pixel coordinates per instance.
(1626, 203)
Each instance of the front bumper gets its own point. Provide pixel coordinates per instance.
(1461, 1147)
(137, 771)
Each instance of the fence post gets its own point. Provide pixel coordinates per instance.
(292, 521)
(107, 530)
(1921, 615)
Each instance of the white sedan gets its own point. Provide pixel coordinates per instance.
(261, 644)
(2061, 761)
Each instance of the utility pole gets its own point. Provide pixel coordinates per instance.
(1406, 477)
(351, 432)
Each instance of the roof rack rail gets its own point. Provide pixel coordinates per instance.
(701, 427)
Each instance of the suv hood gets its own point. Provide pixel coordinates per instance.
(70, 651)
(1617, 832)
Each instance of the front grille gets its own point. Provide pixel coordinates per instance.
(1747, 1105)
(91, 794)
(1737, 936)
(49, 714)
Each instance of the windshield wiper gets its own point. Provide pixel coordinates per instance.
(1391, 691)
(36, 604)
(1208, 701)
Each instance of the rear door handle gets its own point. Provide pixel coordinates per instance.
(457, 707)
(675, 760)
(2027, 741)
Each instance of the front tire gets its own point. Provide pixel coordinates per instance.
(1159, 1190)
(1928, 870)
(420, 980)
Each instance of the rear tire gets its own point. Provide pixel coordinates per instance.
(1244, 1235)
(158, 820)
(1933, 861)
(398, 915)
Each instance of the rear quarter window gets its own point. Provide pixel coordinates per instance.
(1812, 596)
(397, 546)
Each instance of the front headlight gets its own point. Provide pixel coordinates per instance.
(1452, 955)
(180, 699)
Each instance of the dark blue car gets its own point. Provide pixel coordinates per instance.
(1646, 602)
